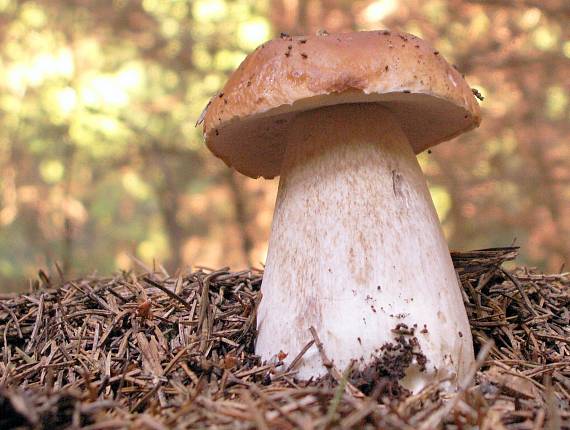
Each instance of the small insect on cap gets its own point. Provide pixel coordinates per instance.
(246, 123)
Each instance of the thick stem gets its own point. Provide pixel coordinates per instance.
(356, 248)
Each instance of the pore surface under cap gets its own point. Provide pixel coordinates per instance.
(245, 124)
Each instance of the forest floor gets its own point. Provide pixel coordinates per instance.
(157, 351)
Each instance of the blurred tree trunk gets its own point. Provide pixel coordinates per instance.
(68, 230)
(240, 198)
(167, 193)
(452, 183)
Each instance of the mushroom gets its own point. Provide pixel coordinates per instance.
(356, 246)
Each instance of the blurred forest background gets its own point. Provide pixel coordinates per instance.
(100, 159)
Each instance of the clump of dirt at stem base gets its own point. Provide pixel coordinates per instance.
(381, 377)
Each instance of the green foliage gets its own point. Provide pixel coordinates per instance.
(98, 107)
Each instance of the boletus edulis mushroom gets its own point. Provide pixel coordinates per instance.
(356, 246)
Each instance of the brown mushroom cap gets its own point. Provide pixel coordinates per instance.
(245, 124)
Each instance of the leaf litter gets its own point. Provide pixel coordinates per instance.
(160, 351)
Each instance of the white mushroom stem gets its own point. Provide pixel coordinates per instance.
(356, 248)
